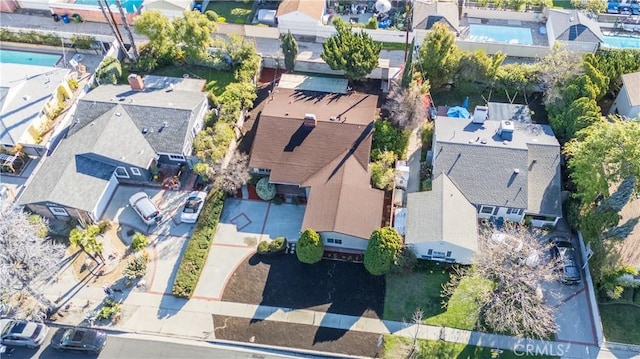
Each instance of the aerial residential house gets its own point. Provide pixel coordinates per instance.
(317, 144)
(170, 8)
(118, 133)
(29, 98)
(574, 29)
(428, 13)
(509, 170)
(300, 16)
(627, 102)
(441, 224)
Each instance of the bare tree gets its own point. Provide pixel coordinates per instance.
(23, 257)
(406, 106)
(515, 260)
(555, 68)
(233, 175)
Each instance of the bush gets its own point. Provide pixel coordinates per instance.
(386, 137)
(276, 246)
(109, 309)
(195, 255)
(263, 247)
(310, 247)
(42, 229)
(73, 84)
(139, 242)
(109, 71)
(104, 226)
(405, 263)
(266, 191)
(136, 268)
(372, 23)
(382, 250)
(211, 15)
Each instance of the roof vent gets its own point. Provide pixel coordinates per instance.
(480, 114)
(483, 141)
(165, 124)
(26, 97)
(310, 120)
(118, 114)
(516, 170)
(506, 130)
(145, 131)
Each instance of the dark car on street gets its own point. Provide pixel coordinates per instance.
(565, 252)
(79, 339)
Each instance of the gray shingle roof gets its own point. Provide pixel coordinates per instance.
(574, 25)
(631, 83)
(442, 214)
(427, 13)
(522, 173)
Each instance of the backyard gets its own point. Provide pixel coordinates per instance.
(620, 323)
(235, 12)
(422, 289)
(216, 80)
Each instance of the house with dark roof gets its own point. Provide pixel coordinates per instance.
(573, 28)
(427, 13)
(507, 169)
(118, 134)
(441, 224)
(627, 102)
(317, 145)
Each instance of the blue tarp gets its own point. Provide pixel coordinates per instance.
(458, 112)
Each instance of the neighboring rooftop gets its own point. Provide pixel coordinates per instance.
(427, 13)
(313, 83)
(507, 111)
(573, 25)
(311, 8)
(632, 85)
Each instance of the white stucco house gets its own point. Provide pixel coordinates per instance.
(627, 102)
(169, 8)
(300, 16)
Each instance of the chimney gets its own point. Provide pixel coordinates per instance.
(135, 81)
(480, 114)
(506, 130)
(309, 120)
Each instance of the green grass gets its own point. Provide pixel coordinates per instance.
(392, 45)
(398, 347)
(406, 293)
(216, 80)
(236, 12)
(477, 96)
(562, 4)
(620, 323)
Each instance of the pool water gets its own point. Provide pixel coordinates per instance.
(28, 58)
(503, 34)
(622, 42)
(130, 6)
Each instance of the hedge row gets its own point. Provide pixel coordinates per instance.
(197, 250)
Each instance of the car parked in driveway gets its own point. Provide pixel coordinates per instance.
(79, 339)
(145, 208)
(193, 207)
(22, 333)
(563, 250)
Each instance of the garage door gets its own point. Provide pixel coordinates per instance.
(106, 197)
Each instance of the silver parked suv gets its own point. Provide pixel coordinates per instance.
(148, 211)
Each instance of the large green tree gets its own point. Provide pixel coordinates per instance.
(289, 49)
(158, 29)
(382, 250)
(193, 32)
(613, 63)
(479, 67)
(309, 248)
(580, 114)
(439, 56)
(356, 54)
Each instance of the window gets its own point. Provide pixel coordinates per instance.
(334, 241)
(429, 252)
(448, 254)
(515, 211)
(486, 209)
(176, 157)
(135, 171)
(262, 171)
(59, 211)
(338, 241)
(121, 172)
(329, 240)
(438, 254)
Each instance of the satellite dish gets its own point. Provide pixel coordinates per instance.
(383, 6)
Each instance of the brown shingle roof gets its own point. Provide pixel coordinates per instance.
(312, 8)
(632, 84)
(341, 199)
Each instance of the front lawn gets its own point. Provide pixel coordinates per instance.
(236, 12)
(398, 347)
(562, 4)
(406, 293)
(216, 80)
(620, 323)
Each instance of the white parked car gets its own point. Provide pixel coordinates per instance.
(193, 207)
(148, 211)
(22, 333)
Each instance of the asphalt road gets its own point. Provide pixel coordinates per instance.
(133, 346)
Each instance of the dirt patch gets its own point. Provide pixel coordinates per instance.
(297, 336)
(327, 286)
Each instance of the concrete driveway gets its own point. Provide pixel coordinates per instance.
(243, 224)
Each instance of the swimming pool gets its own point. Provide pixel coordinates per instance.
(504, 34)
(622, 42)
(28, 58)
(131, 6)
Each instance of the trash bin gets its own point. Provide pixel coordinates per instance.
(65, 18)
(55, 17)
(76, 18)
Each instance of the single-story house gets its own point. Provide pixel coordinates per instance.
(427, 13)
(118, 134)
(317, 144)
(575, 29)
(29, 97)
(627, 102)
(507, 169)
(169, 8)
(299, 15)
(441, 224)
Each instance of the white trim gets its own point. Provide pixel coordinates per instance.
(493, 208)
(135, 171)
(126, 174)
(176, 158)
(58, 211)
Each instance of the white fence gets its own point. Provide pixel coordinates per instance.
(593, 304)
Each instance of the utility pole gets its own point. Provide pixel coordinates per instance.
(127, 28)
(409, 16)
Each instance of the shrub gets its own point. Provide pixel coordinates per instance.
(211, 15)
(278, 244)
(263, 247)
(136, 267)
(382, 250)
(372, 23)
(139, 242)
(73, 84)
(42, 229)
(278, 200)
(406, 262)
(310, 247)
(195, 255)
(221, 19)
(109, 71)
(265, 190)
(104, 226)
(109, 309)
